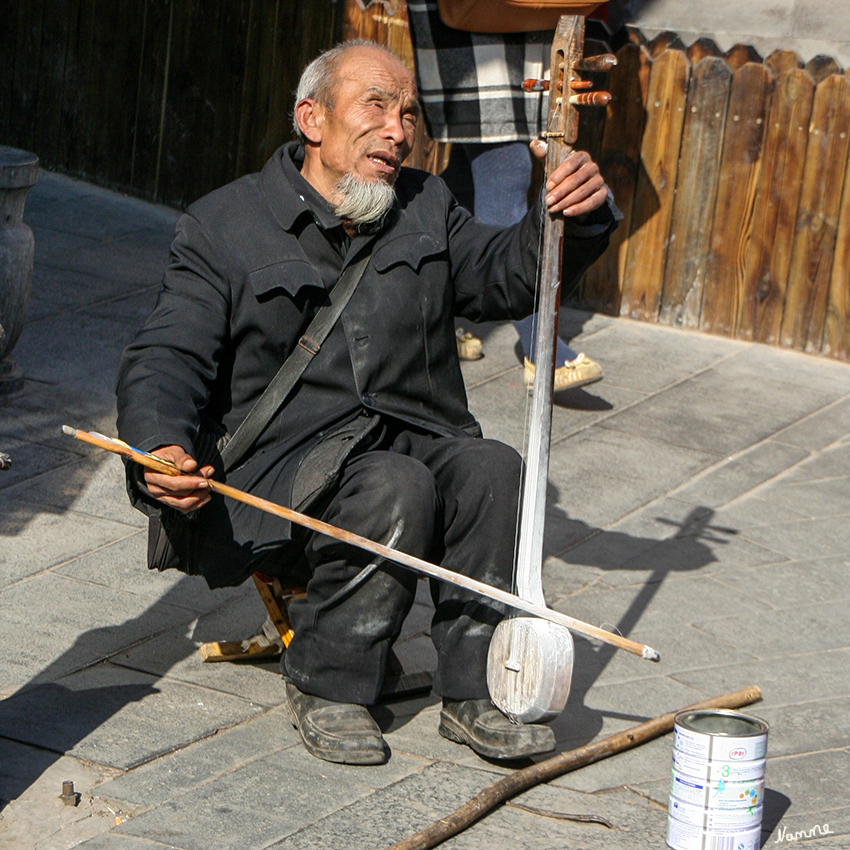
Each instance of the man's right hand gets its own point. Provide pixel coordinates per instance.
(183, 492)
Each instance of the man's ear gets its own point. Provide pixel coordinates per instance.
(310, 117)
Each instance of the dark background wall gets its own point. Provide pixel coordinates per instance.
(166, 99)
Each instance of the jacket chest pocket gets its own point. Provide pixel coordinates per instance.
(412, 290)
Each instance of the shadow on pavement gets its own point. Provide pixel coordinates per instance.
(55, 717)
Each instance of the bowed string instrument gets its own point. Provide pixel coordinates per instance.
(509, 653)
(530, 661)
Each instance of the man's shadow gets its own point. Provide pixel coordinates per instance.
(80, 690)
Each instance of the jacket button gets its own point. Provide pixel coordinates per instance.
(367, 399)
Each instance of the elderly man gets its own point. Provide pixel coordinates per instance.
(376, 436)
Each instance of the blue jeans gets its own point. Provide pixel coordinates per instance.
(493, 180)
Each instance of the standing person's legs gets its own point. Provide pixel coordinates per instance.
(501, 178)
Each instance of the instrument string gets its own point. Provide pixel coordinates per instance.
(550, 162)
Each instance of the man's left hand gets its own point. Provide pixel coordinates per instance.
(575, 187)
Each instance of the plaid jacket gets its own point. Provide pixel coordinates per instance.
(470, 84)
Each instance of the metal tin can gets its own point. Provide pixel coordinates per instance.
(722, 819)
(717, 795)
(681, 836)
(714, 771)
(717, 781)
(720, 735)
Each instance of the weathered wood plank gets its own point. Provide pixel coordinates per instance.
(51, 74)
(151, 87)
(836, 337)
(619, 161)
(739, 54)
(282, 80)
(817, 217)
(820, 67)
(656, 184)
(701, 48)
(775, 215)
(666, 40)
(696, 194)
(749, 102)
(24, 95)
(783, 60)
(8, 46)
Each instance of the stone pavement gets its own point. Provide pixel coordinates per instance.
(699, 503)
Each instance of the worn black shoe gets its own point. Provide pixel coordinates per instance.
(336, 731)
(480, 725)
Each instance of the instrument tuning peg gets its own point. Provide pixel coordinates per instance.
(581, 85)
(591, 98)
(535, 85)
(600, 64)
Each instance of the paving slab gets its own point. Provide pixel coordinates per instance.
(117, 717)
(501, 403)
(739, 475)
(804, 538)
(395, 812)
(815, 627)
(807, 727)
(36, 537)
(190, 768)
(69, 625)
(120, 566)
(175, 653)
(600, 473)
(93, 486)
(718, 411)
(808, 582)
(631, 355)
(267, 800)
(785, 680)
(817, 431)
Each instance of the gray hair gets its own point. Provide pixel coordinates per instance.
(317, 79)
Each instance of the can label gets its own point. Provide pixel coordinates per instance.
(717, 795)
(681, 836)
(715, 819)
(720, 736)
(714, 771)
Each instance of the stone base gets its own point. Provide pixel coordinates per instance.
(11, 377)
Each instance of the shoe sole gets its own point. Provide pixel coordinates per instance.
(353, 757)
(451, 729)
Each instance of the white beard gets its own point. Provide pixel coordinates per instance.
(363, 201)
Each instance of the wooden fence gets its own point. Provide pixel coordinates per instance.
(733, 173)
(166, 99)
(734, 177)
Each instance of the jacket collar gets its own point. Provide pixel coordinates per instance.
(289, 195)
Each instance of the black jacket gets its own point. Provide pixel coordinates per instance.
(242, 286)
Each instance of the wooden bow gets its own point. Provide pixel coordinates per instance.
(409, 561)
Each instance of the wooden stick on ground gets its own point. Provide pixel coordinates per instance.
(515, 783)
(409, 561)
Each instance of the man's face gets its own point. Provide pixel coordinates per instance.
(371, 127)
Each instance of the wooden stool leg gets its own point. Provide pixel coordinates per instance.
(275, 598)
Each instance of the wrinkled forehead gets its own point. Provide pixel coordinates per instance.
(364, 68)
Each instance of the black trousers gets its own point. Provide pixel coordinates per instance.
(452, 501)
